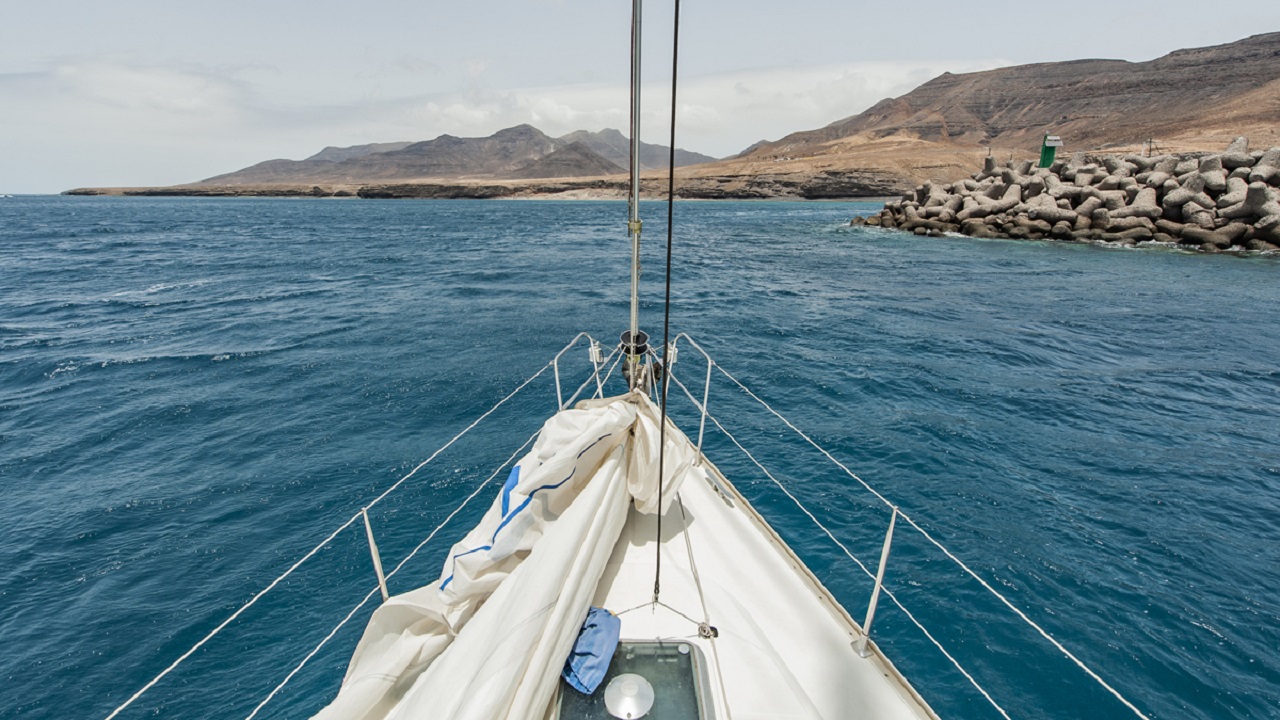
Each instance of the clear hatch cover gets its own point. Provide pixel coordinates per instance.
(674, 670)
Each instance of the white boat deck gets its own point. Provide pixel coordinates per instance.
(785, 648)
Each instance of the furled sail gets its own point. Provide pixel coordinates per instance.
(489, 638)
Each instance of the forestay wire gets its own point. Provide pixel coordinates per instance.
(1000, 596)
(666, 306)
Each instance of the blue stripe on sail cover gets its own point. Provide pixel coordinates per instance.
(597, 442)
(454, 559)
(508, 486)
(588, 662)
(508, 515)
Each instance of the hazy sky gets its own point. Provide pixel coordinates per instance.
(151, 93)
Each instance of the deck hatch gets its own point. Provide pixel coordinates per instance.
(675, 669)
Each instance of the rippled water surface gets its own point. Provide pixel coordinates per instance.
(194, 392)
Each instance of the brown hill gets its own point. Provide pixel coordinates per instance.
(1187, 100)
(507, 154)
(573, 160)
(338, 154)
(616, 148)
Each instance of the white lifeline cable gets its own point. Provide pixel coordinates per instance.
(594, 376)
(234, 615)
(372, 593)
(887, 591)
(444, 447)
(612, 368)
(316, 549)
(406, 559)
(375, 591)
(1044, 633)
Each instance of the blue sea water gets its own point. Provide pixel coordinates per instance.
(194, 392)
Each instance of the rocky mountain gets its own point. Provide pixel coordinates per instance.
(1204, 95)
(517, 152)
(338, 154)
(616, 148)
(1187, 101)
(750, 149)
(573, 160)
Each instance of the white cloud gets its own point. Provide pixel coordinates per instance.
(725, 113)
(115, 123)
(112, 123)
(154, 91)
(718, 114)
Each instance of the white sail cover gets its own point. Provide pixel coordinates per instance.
(489, 638)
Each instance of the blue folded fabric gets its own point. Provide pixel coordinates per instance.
(589, 660)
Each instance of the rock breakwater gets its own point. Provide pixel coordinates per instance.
(1208, 201)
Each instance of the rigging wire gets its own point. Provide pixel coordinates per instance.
(372, 593)
(889, 593)
(986, 585)
(666, 307)
(315, 650)
(252, 601)
(925, 533)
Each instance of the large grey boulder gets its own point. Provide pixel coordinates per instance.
(1241, 172)
(1144, 205)
(1236, 189)
(1191, 193)
(1168, 227)
(1196, 214)
(1043, 207)
(1165, 164)
(1185, 166)
(1109, 182)
(1206, 236)
(1268, 229)
(1237, 155)
(1141, 163)
(1119, 167)
(1089, 204)
(1268, 168)
(1259, 200)
(1120, 224)
(1214, 176)
(978, 229)
(1114, 199)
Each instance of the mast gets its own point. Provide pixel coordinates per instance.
(634, 342)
